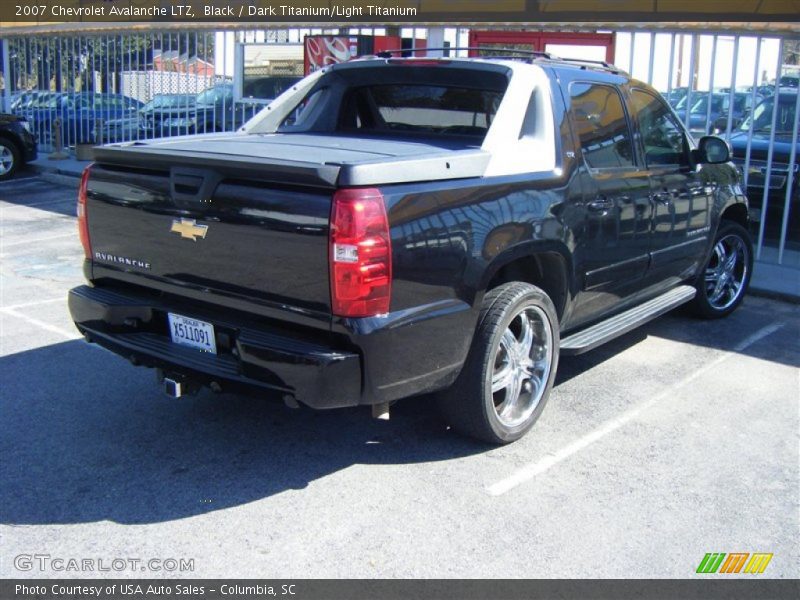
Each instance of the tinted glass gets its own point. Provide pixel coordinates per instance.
(602, 126)
(762, 116)
(420, 108)
(663, 139)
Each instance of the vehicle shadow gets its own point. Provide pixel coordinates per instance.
(28, 189)
(755, 316)
(570, 367)
(86, 437)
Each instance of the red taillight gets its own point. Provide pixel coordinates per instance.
(83, 217)
(360, 254)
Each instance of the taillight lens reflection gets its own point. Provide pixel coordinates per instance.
(360, 254)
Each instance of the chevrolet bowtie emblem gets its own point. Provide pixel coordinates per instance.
(189, 229)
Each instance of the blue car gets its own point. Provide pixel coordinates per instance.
(80, 114)
(702, 121)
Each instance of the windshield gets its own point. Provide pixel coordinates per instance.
(701, 106)
(213, 95)
(170, 101)
(761, 119)
(682, 103)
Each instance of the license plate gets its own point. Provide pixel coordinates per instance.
(191, 332)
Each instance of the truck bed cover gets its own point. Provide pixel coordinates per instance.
(316, 160)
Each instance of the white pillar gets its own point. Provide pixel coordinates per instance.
(6, 77)
(435, 40)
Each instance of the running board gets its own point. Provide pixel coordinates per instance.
(607, 330)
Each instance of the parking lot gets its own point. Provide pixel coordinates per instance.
(676, 440)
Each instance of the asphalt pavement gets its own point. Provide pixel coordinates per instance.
(674, 441)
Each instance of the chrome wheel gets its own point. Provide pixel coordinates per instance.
(6, 160)
(522, 364)
(727, 272)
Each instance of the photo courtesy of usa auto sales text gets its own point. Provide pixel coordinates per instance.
(136, 590)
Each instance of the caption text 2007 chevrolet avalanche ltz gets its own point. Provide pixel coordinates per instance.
(391, 227)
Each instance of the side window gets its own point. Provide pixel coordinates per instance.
(662, 137)
(601, 125)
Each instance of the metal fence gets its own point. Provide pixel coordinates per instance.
(110, 88)
(132, 86)
(742, 88)
(98, 88)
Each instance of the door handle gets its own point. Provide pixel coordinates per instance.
(601, 203)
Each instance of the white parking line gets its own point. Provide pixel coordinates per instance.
(70, 335)
(35, 240)
(531, 470)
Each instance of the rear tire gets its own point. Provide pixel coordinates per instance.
(724, 280)
(506, 380)
(9, 159)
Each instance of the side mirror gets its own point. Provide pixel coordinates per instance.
(712, 150)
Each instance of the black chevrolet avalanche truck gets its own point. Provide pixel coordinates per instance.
(390, 227)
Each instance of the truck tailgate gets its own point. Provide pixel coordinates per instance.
(181, 229)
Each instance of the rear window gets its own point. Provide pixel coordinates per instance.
(400, 101)
(430, 109)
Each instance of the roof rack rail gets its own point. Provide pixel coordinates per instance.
(512, 53)
(497, 52)
(588, 61)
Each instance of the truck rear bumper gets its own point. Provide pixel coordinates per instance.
(249, 359)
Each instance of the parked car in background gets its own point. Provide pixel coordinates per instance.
(165, 108)
(22, 99)
(79, 112)
(702, 121)
(213, 109)
(210, 110)
(266, 89)
(122, 129)
(760, 123)
(148, 121)
(789, 81)
(675, 95)
(764, 90)
(165, 115)
(17, 144)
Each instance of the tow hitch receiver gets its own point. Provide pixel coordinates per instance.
(176, 386)
(173, 388)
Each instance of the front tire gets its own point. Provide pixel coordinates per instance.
(9, 159)
(722, 284)
(506, 379)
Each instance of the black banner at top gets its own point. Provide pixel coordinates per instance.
(354, 12)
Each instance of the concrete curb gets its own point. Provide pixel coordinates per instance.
(773, 295)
